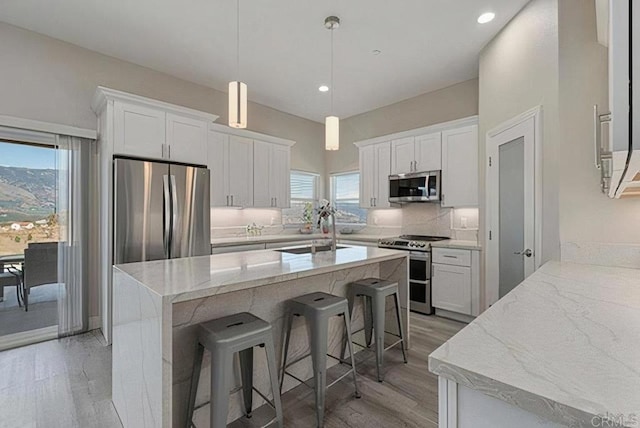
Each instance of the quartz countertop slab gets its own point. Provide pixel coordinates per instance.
(196, 277)
(461, 245)
(565, 344)
(264, 239)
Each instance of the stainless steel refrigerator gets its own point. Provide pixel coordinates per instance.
(161, 210)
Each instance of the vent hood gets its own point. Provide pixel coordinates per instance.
(619, 157)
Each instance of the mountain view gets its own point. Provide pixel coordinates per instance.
(26, 194)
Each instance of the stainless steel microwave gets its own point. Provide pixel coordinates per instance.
(415, 187)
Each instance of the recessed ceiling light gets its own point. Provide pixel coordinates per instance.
(323, 88)
(376, 52)
(486, 17)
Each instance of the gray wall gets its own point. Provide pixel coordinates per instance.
(455, 102)
(53, 81)
(586, 215)
(519, 71)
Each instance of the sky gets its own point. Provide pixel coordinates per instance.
(26, 156)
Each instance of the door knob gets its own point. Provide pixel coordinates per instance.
(526, 252)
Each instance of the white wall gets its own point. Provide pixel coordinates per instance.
(586, 215)
(519, 71)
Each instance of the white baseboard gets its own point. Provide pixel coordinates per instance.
(28, 337)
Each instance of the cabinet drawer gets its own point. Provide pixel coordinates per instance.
(451, 256)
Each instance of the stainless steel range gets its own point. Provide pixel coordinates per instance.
(419, 248)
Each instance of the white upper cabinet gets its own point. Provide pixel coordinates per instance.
(280, 180)
(240, 171)
(139, 131)
(186, 138)
(153, 129)
(381, 173)
(450, 147)
(416, 154)
(460, 167)
(428, 152)
(218, 163)
(375, 168)
(230, 159)
(271, 181)
(247, 171)
(403, 155)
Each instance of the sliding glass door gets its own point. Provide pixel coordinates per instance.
(44, 222)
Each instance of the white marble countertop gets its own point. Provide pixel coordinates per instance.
(461, 245)
(263, 239)
(196, 277)
(565, 344)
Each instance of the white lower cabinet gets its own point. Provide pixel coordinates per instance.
(455, 280)
(451, 288)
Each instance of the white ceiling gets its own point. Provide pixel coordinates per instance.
(285, 49)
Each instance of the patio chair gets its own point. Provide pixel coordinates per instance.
(40, 267)
(9, 279)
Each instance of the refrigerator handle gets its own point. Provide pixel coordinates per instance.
(166, 218)
(174, 208)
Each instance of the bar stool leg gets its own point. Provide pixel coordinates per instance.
(285, 346)
(347, 321)
(367, 305)
(195, 376)
(273, 376)
(378, 327)
(319, 332)
(351, 300)
(400, 327)
(246, 372)
(220, 388)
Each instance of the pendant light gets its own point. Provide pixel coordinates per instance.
(332, 123)
(237, 89)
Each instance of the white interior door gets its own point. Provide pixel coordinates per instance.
(513, 244)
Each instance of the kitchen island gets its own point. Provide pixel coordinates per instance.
(157, 306)
(562, 349)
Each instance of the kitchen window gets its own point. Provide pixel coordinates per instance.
(345, 195)
(304, 190)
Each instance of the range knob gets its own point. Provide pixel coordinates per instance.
(422, 245)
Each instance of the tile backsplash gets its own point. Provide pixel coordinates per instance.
(415, 219)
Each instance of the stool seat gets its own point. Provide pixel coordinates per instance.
(368, 286)
(234, 329)
(224, 337)
(318, 302)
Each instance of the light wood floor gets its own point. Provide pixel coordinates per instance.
(67, 383)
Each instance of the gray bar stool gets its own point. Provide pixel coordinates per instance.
(375, 292)
(223, 337)
(318, 308)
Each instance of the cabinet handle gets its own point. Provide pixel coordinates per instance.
(231, 200)
(450, 257)
(227, 200)
(169, 150)
(415, 166)
(275, 204)
(163, 151)
(375, 202)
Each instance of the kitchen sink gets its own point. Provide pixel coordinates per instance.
(307, 250)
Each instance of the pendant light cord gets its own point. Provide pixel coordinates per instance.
(238, 40)
(332, 87)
